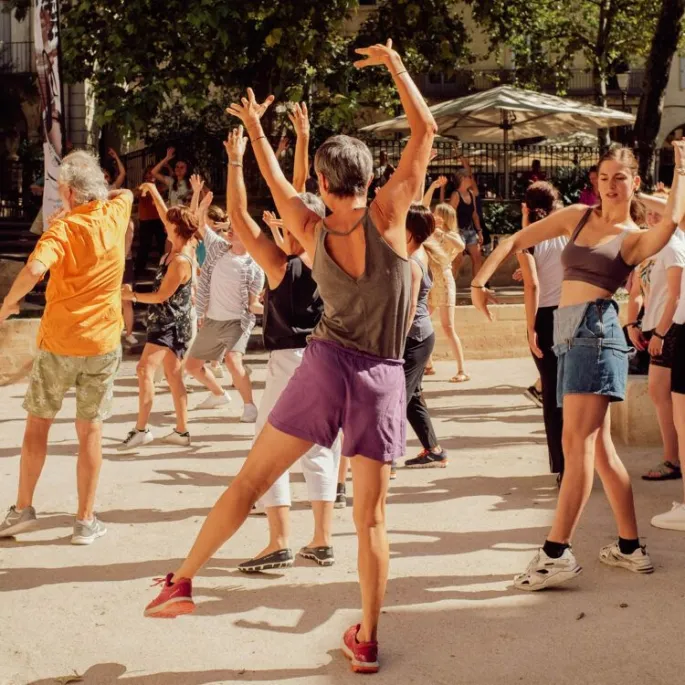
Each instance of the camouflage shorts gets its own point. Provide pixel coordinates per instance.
(53, 375)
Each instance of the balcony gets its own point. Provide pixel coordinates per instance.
(467, 81)
(17, 58)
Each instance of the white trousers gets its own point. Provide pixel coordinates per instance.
(319, 464)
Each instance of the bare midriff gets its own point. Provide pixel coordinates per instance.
(579, 292)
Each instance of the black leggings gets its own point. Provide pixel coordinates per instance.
(416, 354)
(547, 366)
(148, 232)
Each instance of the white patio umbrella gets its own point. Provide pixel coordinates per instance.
(506, 114)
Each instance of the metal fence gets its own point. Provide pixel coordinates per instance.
(17, 202)
(17, 58)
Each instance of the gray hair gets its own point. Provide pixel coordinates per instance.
(81, 172)
(314, 202)
(346, 163)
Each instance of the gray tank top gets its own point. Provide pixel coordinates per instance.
(422, 326)
(368, 314)
(602, 265)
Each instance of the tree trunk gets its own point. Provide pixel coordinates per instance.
(657, 72)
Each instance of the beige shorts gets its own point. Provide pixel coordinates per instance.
(216, 338)
(53, 375)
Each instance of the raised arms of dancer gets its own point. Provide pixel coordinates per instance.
(276, 227)
(121, 169)
(151, 188)
(643, 244)
(196, 183)
(439, 182)
(392, 202)
(300, 121)
(157, 170)
(268, 256)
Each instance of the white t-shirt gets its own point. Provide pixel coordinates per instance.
(547, 255)
(225, 288)
(679, 316)
(176, 197)
(671, 256)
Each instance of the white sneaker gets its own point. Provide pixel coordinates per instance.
(544, 572)
(131, 340)
(637, 562)
(671, 520)
(249, 414)
(176, 438)
(213, 401)
(136, 438)
(218, 371)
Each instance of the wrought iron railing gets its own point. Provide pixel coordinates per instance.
(17, 58)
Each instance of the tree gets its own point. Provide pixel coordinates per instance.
(667, 35)
(547, 35)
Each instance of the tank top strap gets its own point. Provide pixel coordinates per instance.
(361, 222)
(581, 224)
(414, 258)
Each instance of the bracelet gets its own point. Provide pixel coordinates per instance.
(633, 324)
(479, 287)
(236, 164)
(399, 73)
(658, 335)
(256, 139)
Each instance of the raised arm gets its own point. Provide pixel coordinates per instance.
(156, 170)
(299, 219)
(643, 244)
(151, 188)
(439, 182)
(196, 183)
(121, 169)
(276, 227)
(300, 121)
(268, 256)
(393, 199)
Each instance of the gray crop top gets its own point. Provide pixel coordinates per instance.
(601, 265)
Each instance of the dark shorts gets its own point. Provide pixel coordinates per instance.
(665, 359)
(169, 339)
(678, 369)
(335, 389)
(129, 278)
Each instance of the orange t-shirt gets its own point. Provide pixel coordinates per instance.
(85, 253)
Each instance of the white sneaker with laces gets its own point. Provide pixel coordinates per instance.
(176, 438)
(136, 438)
(213, 401)
(637, 562)
(249, 414)
(131, 340)
(671, 520)
(544, 571)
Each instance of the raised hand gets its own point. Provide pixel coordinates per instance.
(283, 145)
(112, 153)
(271, 220)
(146, 188)
(440, 181)
(249, 111)
(196, 183)
(206, 201)
(379, 55)
(235, 145)
(299, 117)
(170, 153)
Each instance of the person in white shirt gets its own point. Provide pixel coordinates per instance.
(227, 300)
(179, 188)
(657, 335)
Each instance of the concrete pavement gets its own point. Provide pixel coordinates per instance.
(457, 537)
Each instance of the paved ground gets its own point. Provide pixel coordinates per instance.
(457, 538)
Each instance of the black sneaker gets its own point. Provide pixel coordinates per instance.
(323, 556)
(534, 395)
(283, 558)
(427, 460)
(340, 497)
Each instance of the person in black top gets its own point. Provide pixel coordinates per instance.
(292, 309)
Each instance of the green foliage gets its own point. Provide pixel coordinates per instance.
(502, 218)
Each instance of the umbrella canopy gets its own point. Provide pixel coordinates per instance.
(506, 114)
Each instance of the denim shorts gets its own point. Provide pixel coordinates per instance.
(469, 236)
(592, 351)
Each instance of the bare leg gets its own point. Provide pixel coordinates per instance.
(616, 482)
(323, 519)
(271, 455)
(241, 380)
(150, 360)
(679, 420)
(88, 466)
(173, 369)
(279, 530)
(371, 480)
(476, 258)
(584, 416)
(33, 452)
(127, 308)
(342, 469)
(660, 393)
(197, 369)
(447, 322)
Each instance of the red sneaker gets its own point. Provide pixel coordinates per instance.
(363, 656)
(174, 600)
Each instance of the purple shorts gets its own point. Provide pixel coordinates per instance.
(335, 389)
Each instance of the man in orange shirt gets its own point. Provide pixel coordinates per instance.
(79, 335)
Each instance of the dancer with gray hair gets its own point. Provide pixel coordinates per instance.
(79, 336)
(354, 357)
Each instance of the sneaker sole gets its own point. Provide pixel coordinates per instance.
(358, 666)
(78, 540)
(532, 398)
(242, 420)
(171, 609)
(126, 448)
(176, 444)
(432, 465)
(556, 579)
(680, 526)
(340, 505)
(22, 527)
(617, 564)
(320, 562)
(266, 567)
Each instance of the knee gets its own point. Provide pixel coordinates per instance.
(368, 519)
(145, 372)
(656, 392)
(234, 361)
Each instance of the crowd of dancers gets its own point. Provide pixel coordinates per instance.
(349, 289)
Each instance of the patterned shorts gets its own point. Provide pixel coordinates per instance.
(53, 375)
